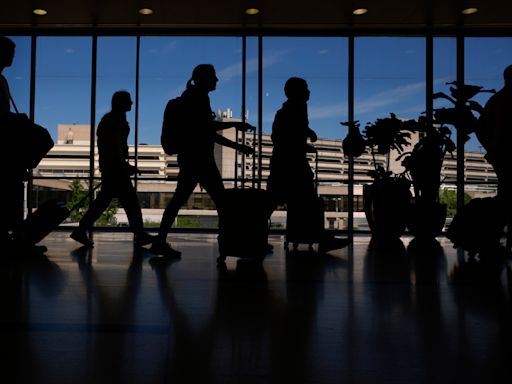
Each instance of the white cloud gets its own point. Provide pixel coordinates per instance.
(235, 70)
(327, 111)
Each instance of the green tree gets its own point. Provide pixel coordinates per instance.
(449, 197)
(78, 192)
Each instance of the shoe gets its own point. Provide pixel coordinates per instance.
(33, 250)
(164, 249)
(332, 243)
(143, 238)
(80, 235)
(159, 263)
(270, 248)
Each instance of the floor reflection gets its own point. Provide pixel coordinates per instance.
(373, 312)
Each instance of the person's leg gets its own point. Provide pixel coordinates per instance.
(275, 193)
(127, 196)
(184, 189)
(97, 207)
(187, 181)
(211, 181)
(129, 201)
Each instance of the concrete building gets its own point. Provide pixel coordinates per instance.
(70, 158)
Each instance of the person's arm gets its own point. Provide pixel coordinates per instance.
(239, 125)
(221, 140)
(4, 100)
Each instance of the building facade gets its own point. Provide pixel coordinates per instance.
(71, 159)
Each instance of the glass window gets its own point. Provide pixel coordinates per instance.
(116, 71)
(445, 71)
(63, 106)
(63, 82)
(323, 63)
(485, 60)
(166, 64)
(389, 78)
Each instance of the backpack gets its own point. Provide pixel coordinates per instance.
(173, 126)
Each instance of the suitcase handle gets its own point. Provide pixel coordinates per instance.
(82, 200)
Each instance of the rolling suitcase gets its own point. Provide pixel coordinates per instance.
(243, 224)
(48, 217)
(305, 224)
(305, 220)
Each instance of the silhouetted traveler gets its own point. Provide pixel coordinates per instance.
(196, 152)
(291, 180)
(13, 174)
(113, 131)
(495, 133)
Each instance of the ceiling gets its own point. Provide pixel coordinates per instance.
(320, 15)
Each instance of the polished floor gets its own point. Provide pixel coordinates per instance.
(401, 313)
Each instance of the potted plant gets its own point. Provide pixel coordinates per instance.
(424, 163)
(423, 166)
(387, 198)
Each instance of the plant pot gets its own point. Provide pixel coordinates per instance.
(386, 206)
(426, 220)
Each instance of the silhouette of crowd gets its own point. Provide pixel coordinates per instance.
(291, 181)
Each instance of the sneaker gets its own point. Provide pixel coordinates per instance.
(332, 243)
(164, 249)
(143, 238)
(80, 235)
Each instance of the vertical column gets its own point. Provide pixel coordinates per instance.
(350, 221)
(33, 50)
(460, 136)
(137, 90)
(94, 62)
(260, 105)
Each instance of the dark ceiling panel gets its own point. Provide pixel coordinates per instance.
(318, 14)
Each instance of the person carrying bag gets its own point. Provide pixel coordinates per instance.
(35, 139)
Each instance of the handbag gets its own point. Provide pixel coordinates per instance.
(35, 140)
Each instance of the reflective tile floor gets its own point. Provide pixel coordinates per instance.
(401, 313)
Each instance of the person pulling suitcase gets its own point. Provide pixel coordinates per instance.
(291, 179)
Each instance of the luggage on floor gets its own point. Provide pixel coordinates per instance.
(47, 217)
(305, 223)
(478, 226)
(243, 224)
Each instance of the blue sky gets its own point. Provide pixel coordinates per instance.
(389, 76)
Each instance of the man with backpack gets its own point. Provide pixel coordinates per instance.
(195, 134)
